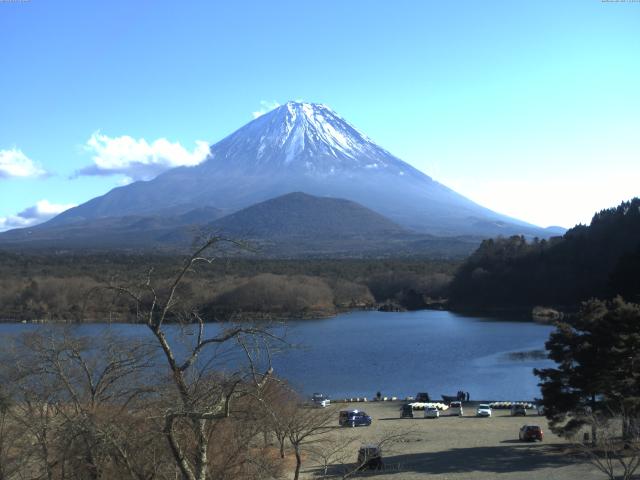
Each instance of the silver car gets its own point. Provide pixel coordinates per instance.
(483, 410)
(431, 412)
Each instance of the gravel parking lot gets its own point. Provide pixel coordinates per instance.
(464, 447)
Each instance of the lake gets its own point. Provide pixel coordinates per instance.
(396, 353)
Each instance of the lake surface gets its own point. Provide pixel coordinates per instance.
(397, 353)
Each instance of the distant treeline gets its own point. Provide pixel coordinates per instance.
(71, 287)
(600, 260)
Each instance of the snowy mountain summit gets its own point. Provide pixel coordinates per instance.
(302, 147)
(305, 137)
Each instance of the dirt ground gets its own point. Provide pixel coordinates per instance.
(456, 448)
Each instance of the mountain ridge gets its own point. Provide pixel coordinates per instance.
(301, 147)
(322, 217)
(293, 225)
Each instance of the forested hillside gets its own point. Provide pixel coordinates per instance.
(56, 287)
(600, 260)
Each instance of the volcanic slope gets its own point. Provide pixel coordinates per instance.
(303, 147)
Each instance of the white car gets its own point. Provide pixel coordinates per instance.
(455, 408)
(431, 412)
(320, 400)
(483, 410)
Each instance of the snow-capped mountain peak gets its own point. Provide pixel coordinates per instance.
(305, 136)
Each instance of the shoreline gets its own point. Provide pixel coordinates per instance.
(523, 314)
(401, 401)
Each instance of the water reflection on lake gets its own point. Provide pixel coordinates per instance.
(359, 353)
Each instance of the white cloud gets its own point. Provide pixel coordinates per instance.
(265, 106)
(139, 159)
(38, 213)
(14, 163)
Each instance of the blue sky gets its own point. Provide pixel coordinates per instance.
(530, 108)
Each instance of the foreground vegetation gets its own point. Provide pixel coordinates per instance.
(197, 406)
(595, 384)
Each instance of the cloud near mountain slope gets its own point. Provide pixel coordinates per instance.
(139, 159)
(38, 213)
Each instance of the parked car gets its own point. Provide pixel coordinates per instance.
(540, 409)
(531, 433)
(422, 397)
(406, 411)
(431, 412)
(320, 400)
(483, 410)
(518, 410)
(455, 408)
(370, 457)
(354, 418)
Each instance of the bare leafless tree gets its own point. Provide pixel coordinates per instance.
(614, 454)
(336, 455)
(306, 427)
(278, 403)
(12, 458)
(202, 395)
(74, 397)
(184, 402)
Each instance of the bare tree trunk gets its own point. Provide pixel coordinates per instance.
(203, 445)
(92, 468)
(181, 462)
(594, 429)
(296, 474)
(625, 427)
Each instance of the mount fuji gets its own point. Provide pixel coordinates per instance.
(297, 147)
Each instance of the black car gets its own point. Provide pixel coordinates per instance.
(370, 457)
(406, 411)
